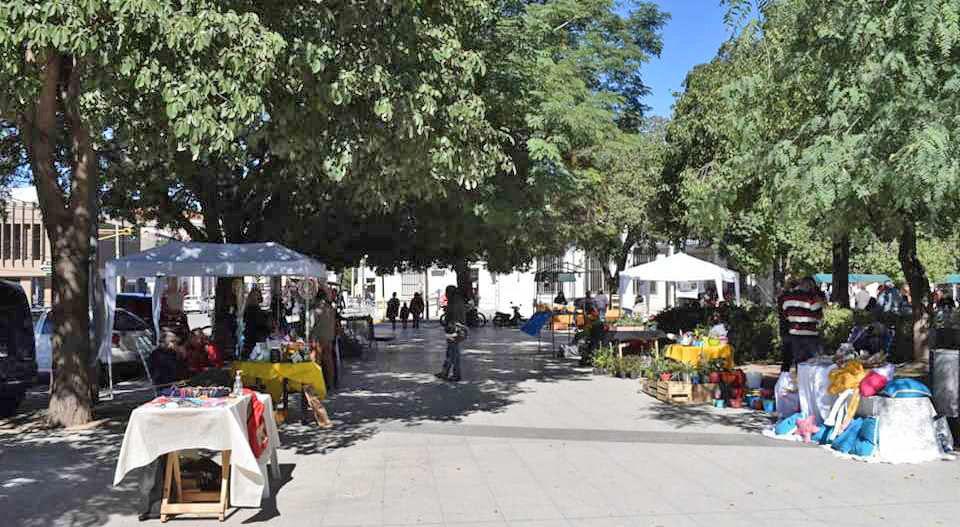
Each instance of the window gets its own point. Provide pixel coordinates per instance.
(548, 264)
(36, 241)
(410, 283)
(594, 280)
(24, 253)
(6, 241)
(17, 237)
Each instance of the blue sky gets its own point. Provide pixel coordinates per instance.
(692, 36)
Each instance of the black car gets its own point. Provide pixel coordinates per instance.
(18, 366)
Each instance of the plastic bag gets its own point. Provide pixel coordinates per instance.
(944, 435)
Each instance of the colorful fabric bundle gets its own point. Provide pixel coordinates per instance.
(866, 443)
(872, 384)
(848, 438)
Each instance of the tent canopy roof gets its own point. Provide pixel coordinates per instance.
(826, 278)
(951, 279)
(680, 267)
(216, 259)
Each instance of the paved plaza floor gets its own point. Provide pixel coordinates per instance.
(525, 440)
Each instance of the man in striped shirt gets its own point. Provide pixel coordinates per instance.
(802, 309)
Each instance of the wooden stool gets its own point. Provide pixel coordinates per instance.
(194, 500)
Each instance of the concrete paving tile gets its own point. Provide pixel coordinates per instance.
(670, 520)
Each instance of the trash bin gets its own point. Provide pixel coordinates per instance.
(945, 381)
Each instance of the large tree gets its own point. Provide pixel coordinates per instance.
(71, 73)
(867, 91)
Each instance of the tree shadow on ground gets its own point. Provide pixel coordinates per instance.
(397, 385)
(53, 476)
(681, 417)
(63, 477)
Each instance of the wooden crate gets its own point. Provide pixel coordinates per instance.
(675, 392)
(649, 387)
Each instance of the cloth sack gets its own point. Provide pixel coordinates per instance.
(813, 379)
(785, 393)
(905, 389)
(872, 384)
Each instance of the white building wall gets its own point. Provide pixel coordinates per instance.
(497, 292)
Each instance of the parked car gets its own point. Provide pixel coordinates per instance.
(18, 367)
(131, 337)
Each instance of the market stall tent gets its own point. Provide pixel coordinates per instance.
(679, 267)
(201, 259)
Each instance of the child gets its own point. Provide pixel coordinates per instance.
(404, 315)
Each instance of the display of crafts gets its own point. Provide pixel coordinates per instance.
(281, 351)
(202, 397)
(196, 392)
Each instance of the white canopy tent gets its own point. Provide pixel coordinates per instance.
(679, 267)
(200, 259)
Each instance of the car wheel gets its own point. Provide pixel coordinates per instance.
(8, 405)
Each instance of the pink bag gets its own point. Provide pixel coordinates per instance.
(872, 384)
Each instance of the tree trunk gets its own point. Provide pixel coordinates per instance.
(71, 401)
(779, 273)
(68, 220)
(464, 282)
(916, 276)
(841, 271)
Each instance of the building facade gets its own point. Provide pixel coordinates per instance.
(25, 250)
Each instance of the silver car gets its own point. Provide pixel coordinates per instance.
(131, 336)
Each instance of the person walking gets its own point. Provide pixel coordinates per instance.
(416, 309)
(404, 315)
(393, 309)
(456, 332)
(889, 298)
(803, 310)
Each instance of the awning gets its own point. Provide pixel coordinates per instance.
(827, 278)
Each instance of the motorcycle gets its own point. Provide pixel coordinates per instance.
(502, 320)
(475, 319)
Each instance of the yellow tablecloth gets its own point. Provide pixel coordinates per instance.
(694, 354)
(272, 375)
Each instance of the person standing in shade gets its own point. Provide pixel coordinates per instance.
(393, 310)
(455, 330)
(803, 310)
(404, 315)
(601, 302)
(324, 332)
(416, 309)
(560, 299)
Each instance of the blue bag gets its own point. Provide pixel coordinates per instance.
(787, 425)
(906, 388)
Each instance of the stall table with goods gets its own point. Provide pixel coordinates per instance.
(699, 353)
(236, 424)
(853, 404)
(624, 335)
(282, 367)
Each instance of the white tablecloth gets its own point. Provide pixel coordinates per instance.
(813, 379)
(154, 431)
